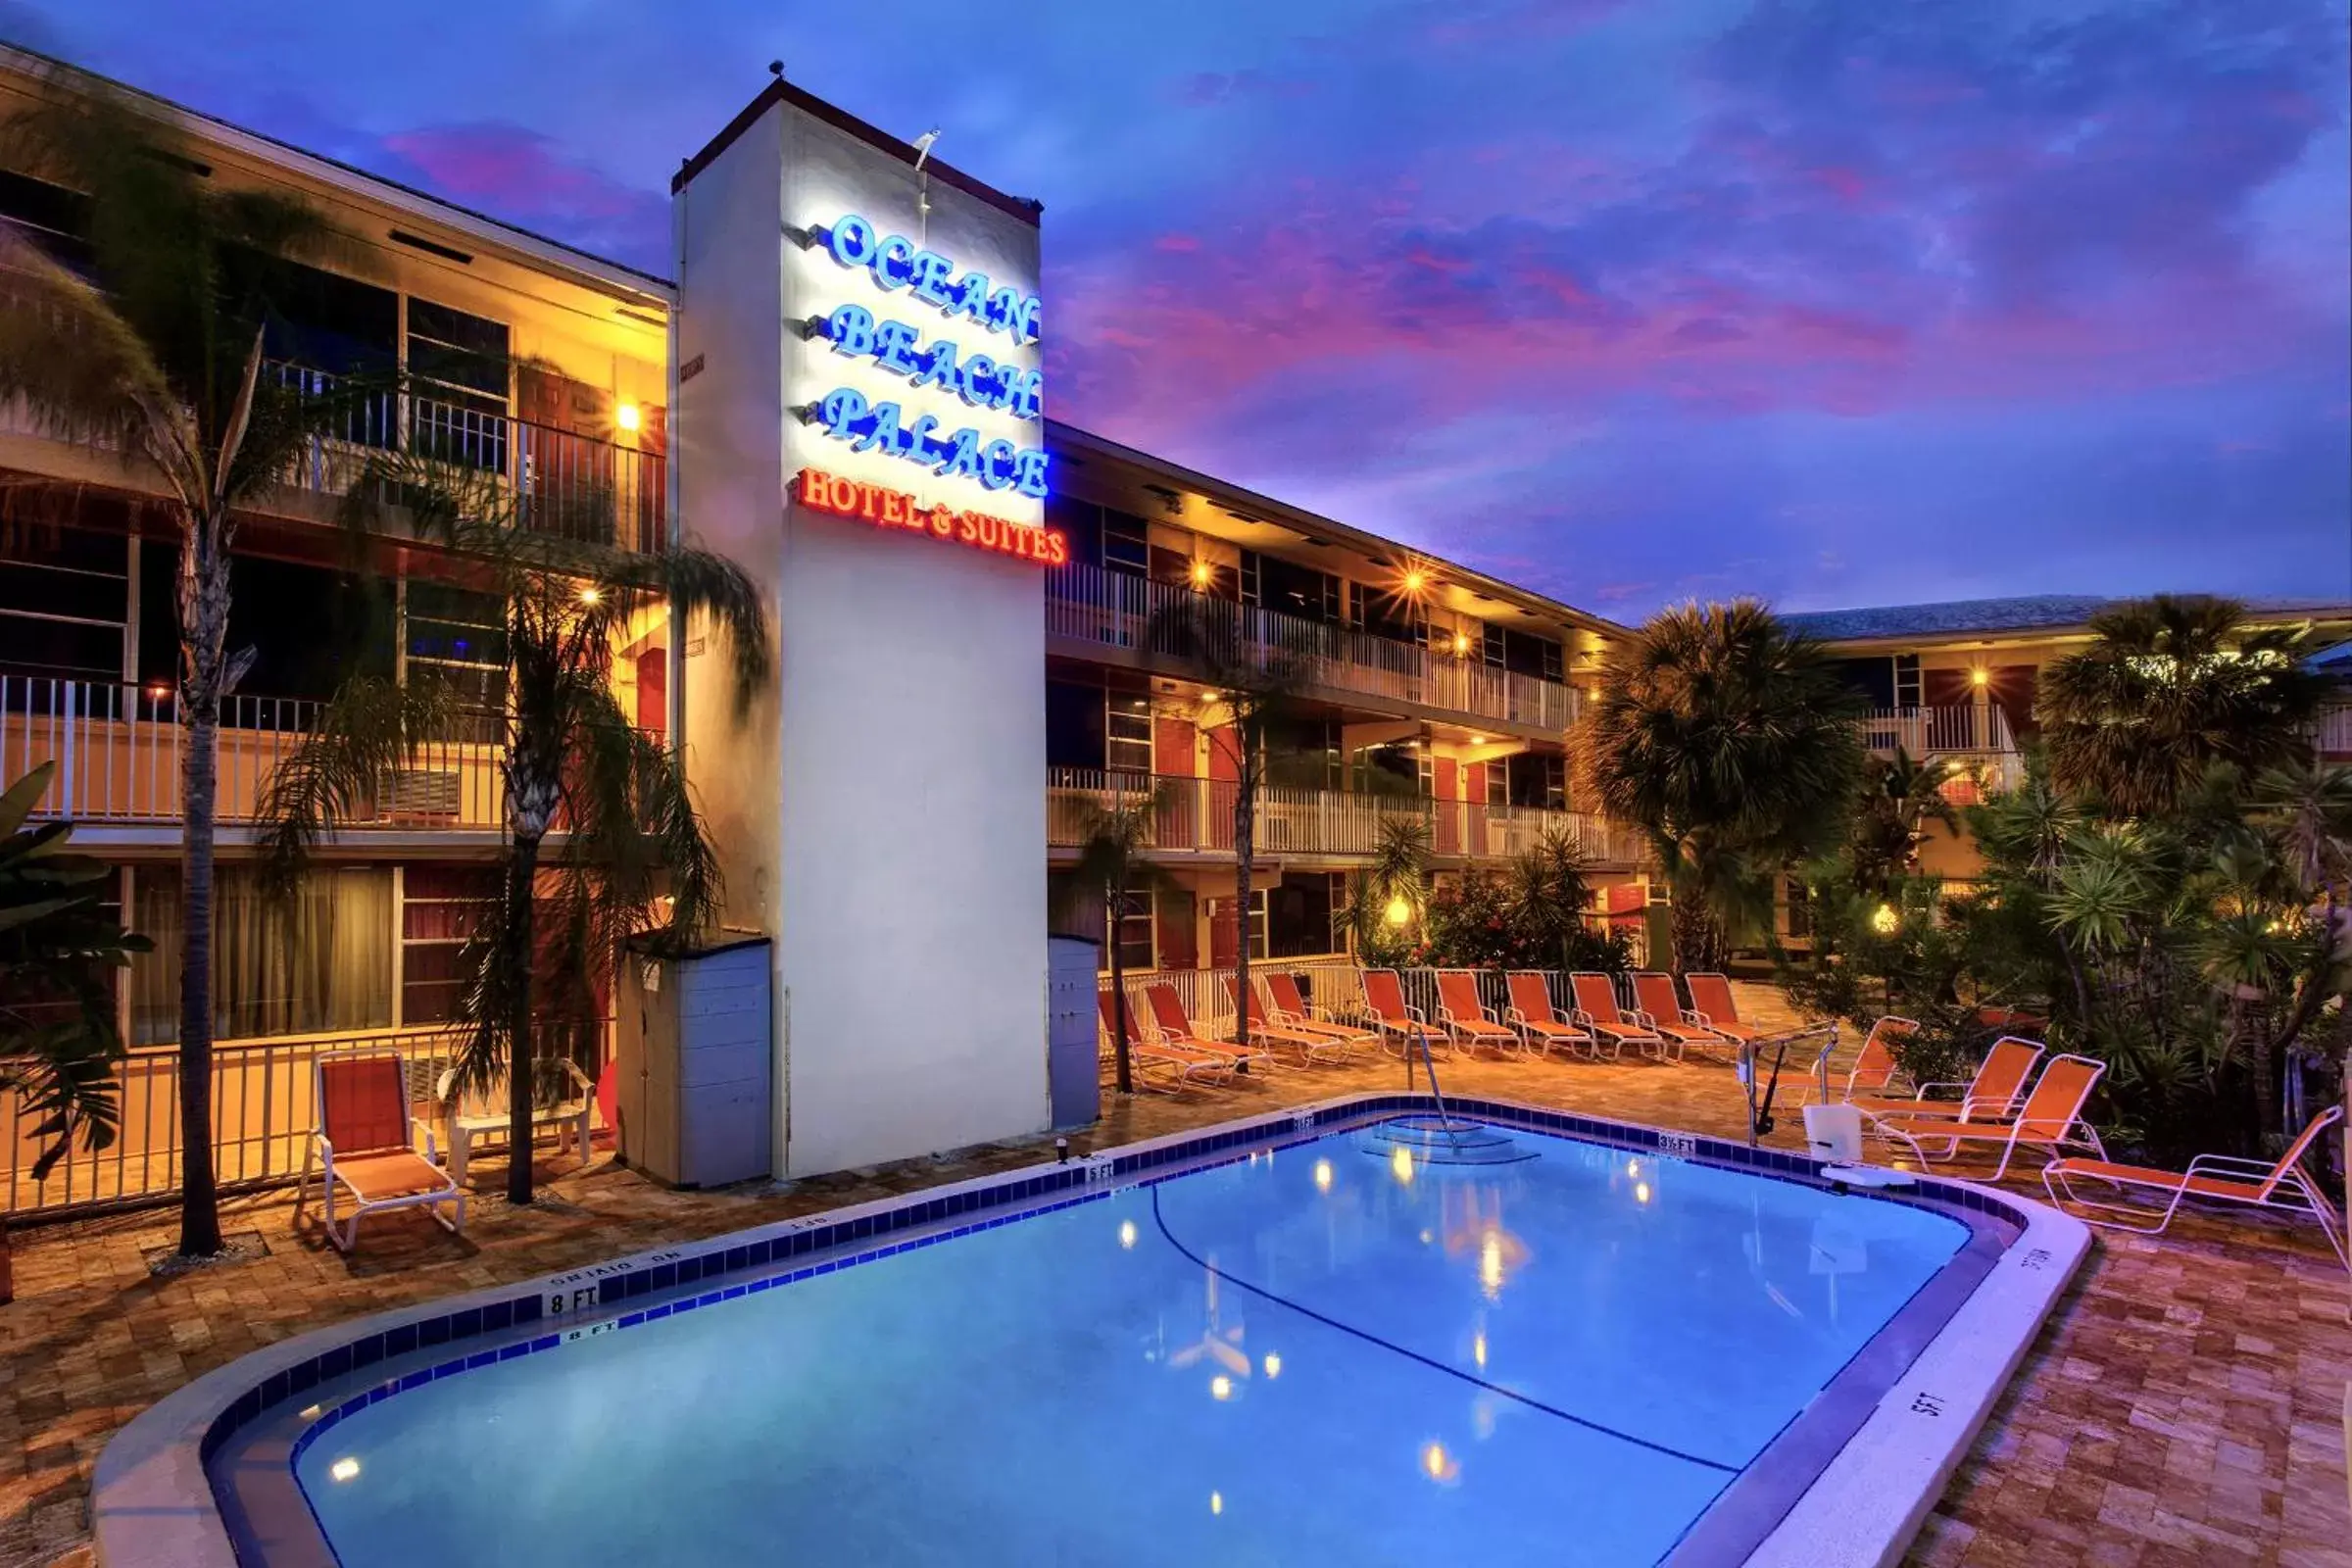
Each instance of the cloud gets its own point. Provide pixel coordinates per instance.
(523, 178)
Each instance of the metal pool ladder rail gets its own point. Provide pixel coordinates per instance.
(1444, 1139)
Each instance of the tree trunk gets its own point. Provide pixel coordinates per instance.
(521, 914)
(1697, 936)
(1118, 1000)
(1244, 859)
(204, 636)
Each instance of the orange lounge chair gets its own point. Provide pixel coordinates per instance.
(1679, 1026)
(1713, 1008)
(367, 1148)
(1174, 1028)
(2224, 1178)
(1991, 1095)
(1179, 1063)
(1287, 1004)
(1532, 1013)
(1387, 1011)
(1875, 1068)
(1464, 1017)
(2051, 1120)
(1595, 997)
(1312, 1045)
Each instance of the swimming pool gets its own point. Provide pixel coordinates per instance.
(1267, 1346)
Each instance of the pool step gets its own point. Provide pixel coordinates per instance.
(1445, 1141)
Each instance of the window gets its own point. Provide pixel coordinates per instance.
(1523, 653)
(1299, 914)
(459, 639)
(442, 908)
(1073, 725)
(65, 599)
(1131, 932)
(1127, 735)
(1907, 680)
(318, 962)
(1536, 779)
(1081, 523)
(1126, 543)
(1295, 590)
(460, 367)
(1386, 615)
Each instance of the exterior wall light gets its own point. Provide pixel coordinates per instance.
(1201, 572)
(1399, 911)
(1884, 921)
(629, 418)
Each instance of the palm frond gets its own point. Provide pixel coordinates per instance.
(371, 727)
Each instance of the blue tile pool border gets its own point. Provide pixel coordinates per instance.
(546, 1313)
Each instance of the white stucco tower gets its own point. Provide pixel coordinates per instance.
(856, 423)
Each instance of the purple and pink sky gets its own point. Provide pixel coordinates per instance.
(1839, 303)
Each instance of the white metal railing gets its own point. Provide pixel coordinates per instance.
(263, 1107)
(118, 751)
(1120, 610)
(1921, 732)
(1195, 818)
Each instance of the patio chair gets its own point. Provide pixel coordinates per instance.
(1596, 998)
(1990, 1094)
(366, 1148)
(1532, 1013)
(1386, 1010)
(1713, 1007)
(2050, 1121)
(2285, 1187)
(471, 1116)
(1173, 1026)
(1464, 1017)
(1288, 1004)
(1312, 1045)
(1179, 1064)
(1679, 1026)
(1875, 1068)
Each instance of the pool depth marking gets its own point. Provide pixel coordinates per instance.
(1159, 1219)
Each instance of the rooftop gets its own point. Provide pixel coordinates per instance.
(1962, 617)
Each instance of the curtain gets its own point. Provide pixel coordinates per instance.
(322, 960)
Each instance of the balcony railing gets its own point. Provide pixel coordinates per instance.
(1923, 732)
(1197, 819)
(1119, 610)
(118, 752)
(2334, 735)
(562, 484)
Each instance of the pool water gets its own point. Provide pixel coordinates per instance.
(1317, 1356)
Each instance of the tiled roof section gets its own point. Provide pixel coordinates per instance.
(1952, 616)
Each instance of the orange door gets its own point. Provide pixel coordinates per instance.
(1173, 755)
(1449, 825)
(1474, 791)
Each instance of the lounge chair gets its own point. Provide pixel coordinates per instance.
(1992, 1095)
(1595, 998)
(1312, 1045)
(366, 1148)
(1173, 1026)
(2224, 1178)
(2050, 1121)
(1464, 1017)
(1713, 1007)
(1874, 1069)
(1178, 1064)
(1679, 1026)
(476, 1115)
(1532, 1013)
(1386, 1010)
(1287, 1004)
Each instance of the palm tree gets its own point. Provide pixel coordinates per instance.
(1731, 742)
(1899, 799)
(1255, 681)
(1112, 864)
(59, 953)
(151, 345)
(1385, 896)
(2169, 687)
(570, 756)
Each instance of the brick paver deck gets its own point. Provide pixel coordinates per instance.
(2181, 1408)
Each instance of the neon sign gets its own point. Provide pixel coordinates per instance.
(894, 262)
(894, 346)
(894, 509)
(979, 380)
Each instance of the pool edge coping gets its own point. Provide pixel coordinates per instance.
(153, 1504)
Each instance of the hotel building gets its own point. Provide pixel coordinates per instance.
(939, 716)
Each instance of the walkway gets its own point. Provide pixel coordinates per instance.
(2182, 1410)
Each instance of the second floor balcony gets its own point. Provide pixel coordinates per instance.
(1147, 622)
(1196, 822)
(118, 752)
